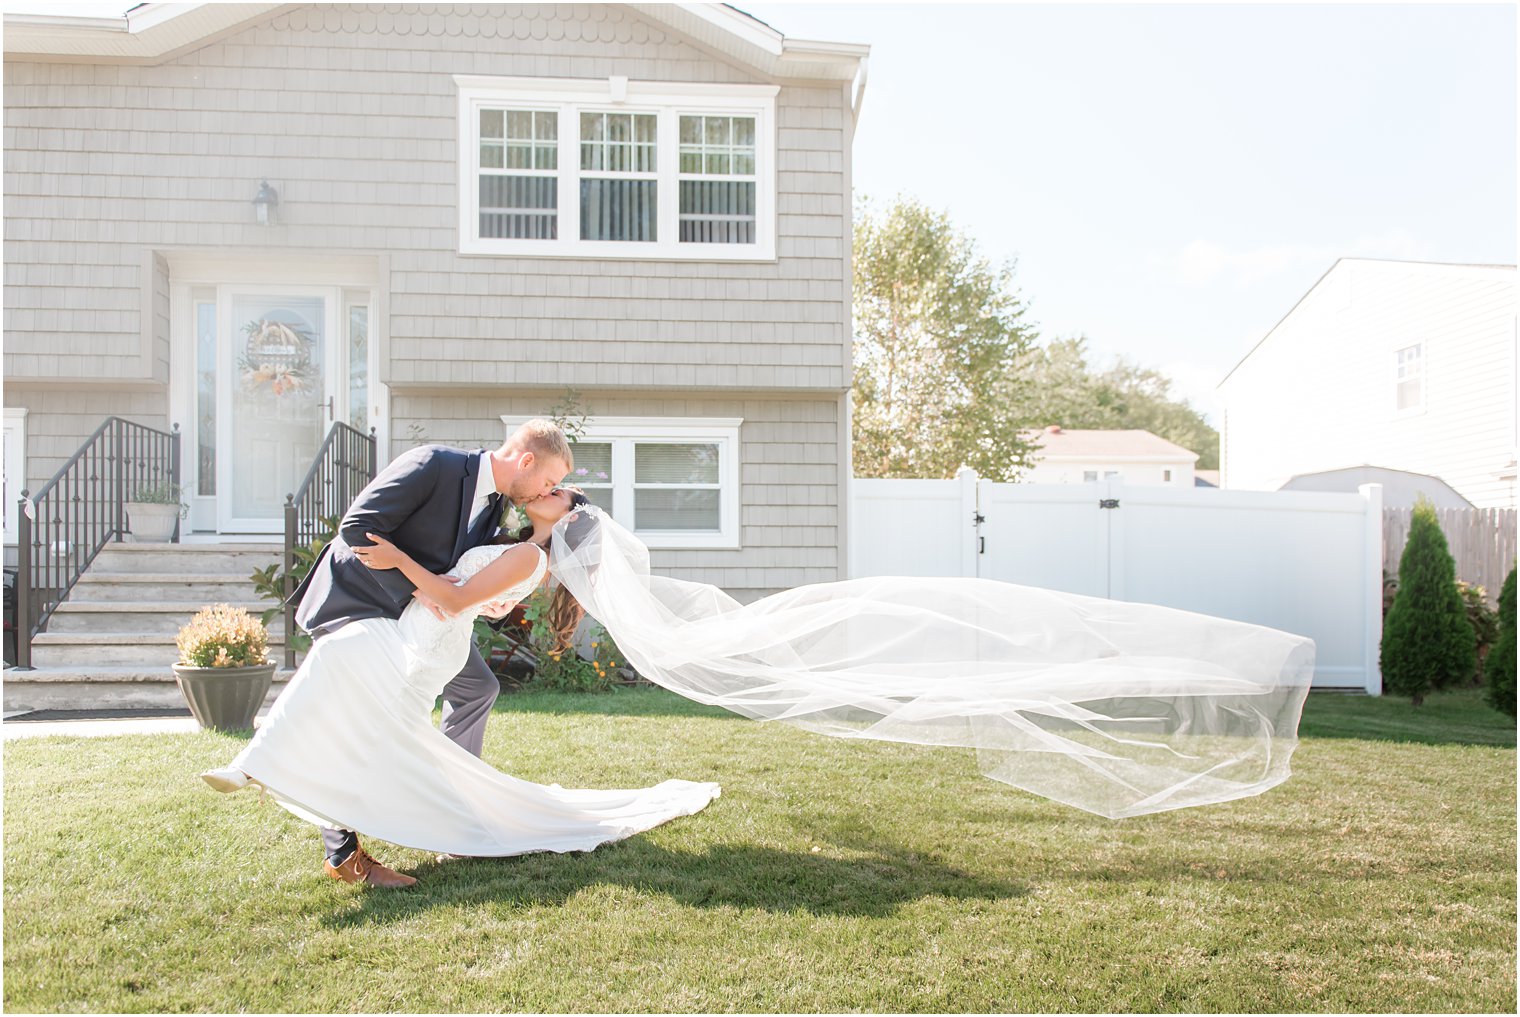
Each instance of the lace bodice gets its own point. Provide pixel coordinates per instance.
(477, 558)
(443, 645)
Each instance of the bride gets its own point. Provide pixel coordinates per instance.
(1117, 708)
(351, 744)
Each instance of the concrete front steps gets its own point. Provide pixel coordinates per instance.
(111, 644)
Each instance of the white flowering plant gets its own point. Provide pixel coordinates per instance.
(223, 636)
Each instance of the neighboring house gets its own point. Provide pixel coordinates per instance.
(1086, 456)
(1205, 478)
(1405, 366)
(464, 211)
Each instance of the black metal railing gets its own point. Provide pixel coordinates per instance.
(61, 530)
(343, 466)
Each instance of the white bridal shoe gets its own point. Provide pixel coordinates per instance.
(230, 778)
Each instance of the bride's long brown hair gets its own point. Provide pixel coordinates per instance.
(565, 612)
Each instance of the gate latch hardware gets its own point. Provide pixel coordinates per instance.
(977, 519)
(1108, 503)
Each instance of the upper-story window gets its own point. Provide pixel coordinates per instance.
(1409, 377)
(613, 168)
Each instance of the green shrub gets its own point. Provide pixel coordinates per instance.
(566, 669)
(1499, 668)
(1390, 590)
(1428, 643)
(1484, 621)
(523, 652)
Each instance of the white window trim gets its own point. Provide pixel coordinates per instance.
(570, 97)
(622, 432)
(15, 466)
(1418, 408)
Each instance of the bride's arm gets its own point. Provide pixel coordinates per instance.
(510, 568)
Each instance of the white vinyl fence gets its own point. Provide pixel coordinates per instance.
(1305, 562)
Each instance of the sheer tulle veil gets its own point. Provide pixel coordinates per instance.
(1120, 709)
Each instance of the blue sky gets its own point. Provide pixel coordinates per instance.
(1172, 178)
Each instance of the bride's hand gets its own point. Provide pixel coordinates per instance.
(431, 604)
(497, 609)
(383, 555)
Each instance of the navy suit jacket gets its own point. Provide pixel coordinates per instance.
(421, 503)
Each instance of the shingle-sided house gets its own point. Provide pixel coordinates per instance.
(251, 220)
(1405, 366)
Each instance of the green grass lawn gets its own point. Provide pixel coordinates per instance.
(831, 875)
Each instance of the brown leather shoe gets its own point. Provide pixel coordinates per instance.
(359, 867)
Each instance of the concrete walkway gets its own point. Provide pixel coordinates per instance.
(87, 726)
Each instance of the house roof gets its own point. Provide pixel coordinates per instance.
(1377, 264)
(1400, 487)
(152, 32)
(1057, 442)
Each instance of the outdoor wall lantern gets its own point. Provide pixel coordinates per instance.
(264, 202)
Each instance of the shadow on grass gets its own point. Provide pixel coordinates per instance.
(1460, 717)
(638, 701)
(727, 875)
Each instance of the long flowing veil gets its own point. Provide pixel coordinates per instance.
(1121, 709)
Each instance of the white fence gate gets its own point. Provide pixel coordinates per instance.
(1306, 562)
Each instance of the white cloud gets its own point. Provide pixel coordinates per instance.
(1204, 262)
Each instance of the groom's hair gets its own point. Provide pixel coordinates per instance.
(544, 439)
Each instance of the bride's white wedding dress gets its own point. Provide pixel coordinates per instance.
(351, 744)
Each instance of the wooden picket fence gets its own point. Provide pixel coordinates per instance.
(1481, 540)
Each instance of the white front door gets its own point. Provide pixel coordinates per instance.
(282, 378)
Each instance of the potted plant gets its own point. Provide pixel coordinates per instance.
(153, 512)
(224, 670)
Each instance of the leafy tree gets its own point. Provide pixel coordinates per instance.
(938, 339)
(1499, 668)
(1428, 643)
(1064, 389)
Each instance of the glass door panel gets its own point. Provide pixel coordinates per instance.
(275, 380)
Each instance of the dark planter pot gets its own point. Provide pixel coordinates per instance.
(225, 698)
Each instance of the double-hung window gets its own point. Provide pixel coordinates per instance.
(518, 185)
(614, 168)
(674, 481)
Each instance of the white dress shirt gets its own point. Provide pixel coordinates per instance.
(485, 488)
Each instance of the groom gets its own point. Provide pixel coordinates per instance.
(433, 502)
